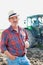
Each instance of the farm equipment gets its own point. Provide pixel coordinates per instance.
(35, 29)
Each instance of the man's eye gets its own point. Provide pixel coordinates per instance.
(12, 17)
(16, 17)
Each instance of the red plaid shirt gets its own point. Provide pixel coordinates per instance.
(13, 41)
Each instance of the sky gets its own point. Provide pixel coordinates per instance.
(23, 7)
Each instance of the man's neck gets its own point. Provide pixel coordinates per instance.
(15, 28)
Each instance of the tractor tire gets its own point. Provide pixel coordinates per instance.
(31, 39)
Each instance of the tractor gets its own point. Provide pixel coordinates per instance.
(34, 27)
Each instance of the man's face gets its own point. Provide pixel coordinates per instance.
(13, 20)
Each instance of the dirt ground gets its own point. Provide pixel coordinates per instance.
(36, 56)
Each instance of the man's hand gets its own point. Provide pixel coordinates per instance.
(12, 57)
(26, 44)
(9, 55)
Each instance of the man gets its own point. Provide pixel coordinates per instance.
(14, 42)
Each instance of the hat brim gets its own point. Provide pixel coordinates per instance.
(13, 16)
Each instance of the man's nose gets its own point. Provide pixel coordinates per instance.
(14, 19)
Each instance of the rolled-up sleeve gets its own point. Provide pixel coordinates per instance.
(3, 42)
(26, 38)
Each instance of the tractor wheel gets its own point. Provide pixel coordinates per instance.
(31, 39)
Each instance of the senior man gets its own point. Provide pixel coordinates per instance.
(15, 42)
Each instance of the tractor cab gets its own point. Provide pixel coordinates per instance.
(36, 20)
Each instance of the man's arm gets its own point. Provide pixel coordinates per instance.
(9, 55)
(27, 44)
(4, 50)
(26, 40)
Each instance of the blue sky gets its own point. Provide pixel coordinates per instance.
(23, 7)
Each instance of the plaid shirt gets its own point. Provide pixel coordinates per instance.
(13, 41)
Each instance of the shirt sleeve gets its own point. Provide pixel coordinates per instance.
(3, 42)
(26, 38)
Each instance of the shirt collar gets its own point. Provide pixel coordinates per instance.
(11, 28)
